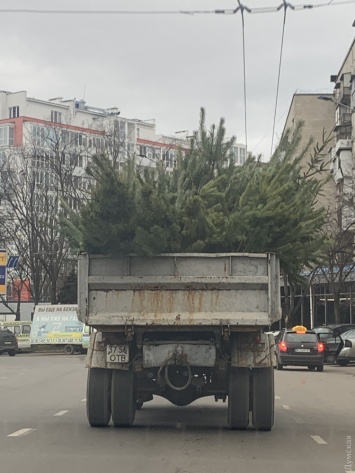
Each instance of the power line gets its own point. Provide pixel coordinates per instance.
(285, 7)
(222, 11)
(244, 77)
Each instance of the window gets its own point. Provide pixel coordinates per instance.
(14, 112)
(17, 330)
(26, 329)
(56, 117)
(78, 161)
(6, 136)
(38, 136)
(301, 337)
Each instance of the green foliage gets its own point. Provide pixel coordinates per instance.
(209, 205)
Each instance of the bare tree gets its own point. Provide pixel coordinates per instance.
(35, 179)
(339, 263)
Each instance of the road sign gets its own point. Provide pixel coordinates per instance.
(3, 263)
(12, 262)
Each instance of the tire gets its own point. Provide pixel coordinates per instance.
(123, 403)
(98, 397)
(12, 353)
(320, 368)
(343, 362)
(263, 398)
(238, 398)
(311, 368)
(69, 349)
(279, 366)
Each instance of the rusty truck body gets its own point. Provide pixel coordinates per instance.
(180, 326)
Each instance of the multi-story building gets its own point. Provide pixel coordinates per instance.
(318, 118)
(334, 112)
(343, 151)
(25, 120)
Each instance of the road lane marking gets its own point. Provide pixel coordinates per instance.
(83, 400)
(21, 433)
(287, 408)
(4, 377)
(277, 397)
(319, 440)
(60, 413)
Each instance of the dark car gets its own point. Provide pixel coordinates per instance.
(8, 343)
(299, 349)
(330, 336)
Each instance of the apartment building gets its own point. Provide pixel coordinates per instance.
(318, 118)
(343, 151)
(25, 120)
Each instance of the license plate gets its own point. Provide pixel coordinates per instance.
(117, 353)
(302, 350)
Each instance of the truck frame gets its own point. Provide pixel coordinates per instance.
(180, 326)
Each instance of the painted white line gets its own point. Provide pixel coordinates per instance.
(319, 440)
(277, 397)
(83, 400)
(287, 408)
(21, 433)
(20, 374)
(60, 413)
(4, 377)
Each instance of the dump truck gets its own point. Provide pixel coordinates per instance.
(180, 326)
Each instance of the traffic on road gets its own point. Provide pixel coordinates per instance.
(43, 425)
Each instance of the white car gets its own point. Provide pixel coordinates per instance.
(347, 348)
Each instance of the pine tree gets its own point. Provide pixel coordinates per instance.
(207, 204)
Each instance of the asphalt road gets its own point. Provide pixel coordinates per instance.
(43, 426)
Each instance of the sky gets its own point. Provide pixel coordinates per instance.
(165, 67)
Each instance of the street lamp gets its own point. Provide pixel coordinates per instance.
(331, 99)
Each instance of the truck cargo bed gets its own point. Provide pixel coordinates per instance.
(234, 289)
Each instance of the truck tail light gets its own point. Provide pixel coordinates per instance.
(320, 347)
(283, 346)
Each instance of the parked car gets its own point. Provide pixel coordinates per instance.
(330, 336)
(346, 352)
(299, 348)
(8, 343)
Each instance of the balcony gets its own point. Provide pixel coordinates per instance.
(344, 119)
(343, 144)
(344, 95)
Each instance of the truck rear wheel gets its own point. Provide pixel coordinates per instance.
(238, 398)
(122, 396)
(263, 398)
(69, 349)
(98, 397)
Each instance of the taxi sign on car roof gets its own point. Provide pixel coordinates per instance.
(299, 329)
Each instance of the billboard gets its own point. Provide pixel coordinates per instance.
(56, 325)
(3, 264)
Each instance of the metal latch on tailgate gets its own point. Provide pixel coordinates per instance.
(129, 331)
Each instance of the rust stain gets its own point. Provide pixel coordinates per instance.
(156, 303)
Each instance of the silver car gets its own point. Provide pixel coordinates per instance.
(347, 348)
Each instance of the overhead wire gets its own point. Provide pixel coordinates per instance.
(285, 7)
(242, 8)
(220, 11)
